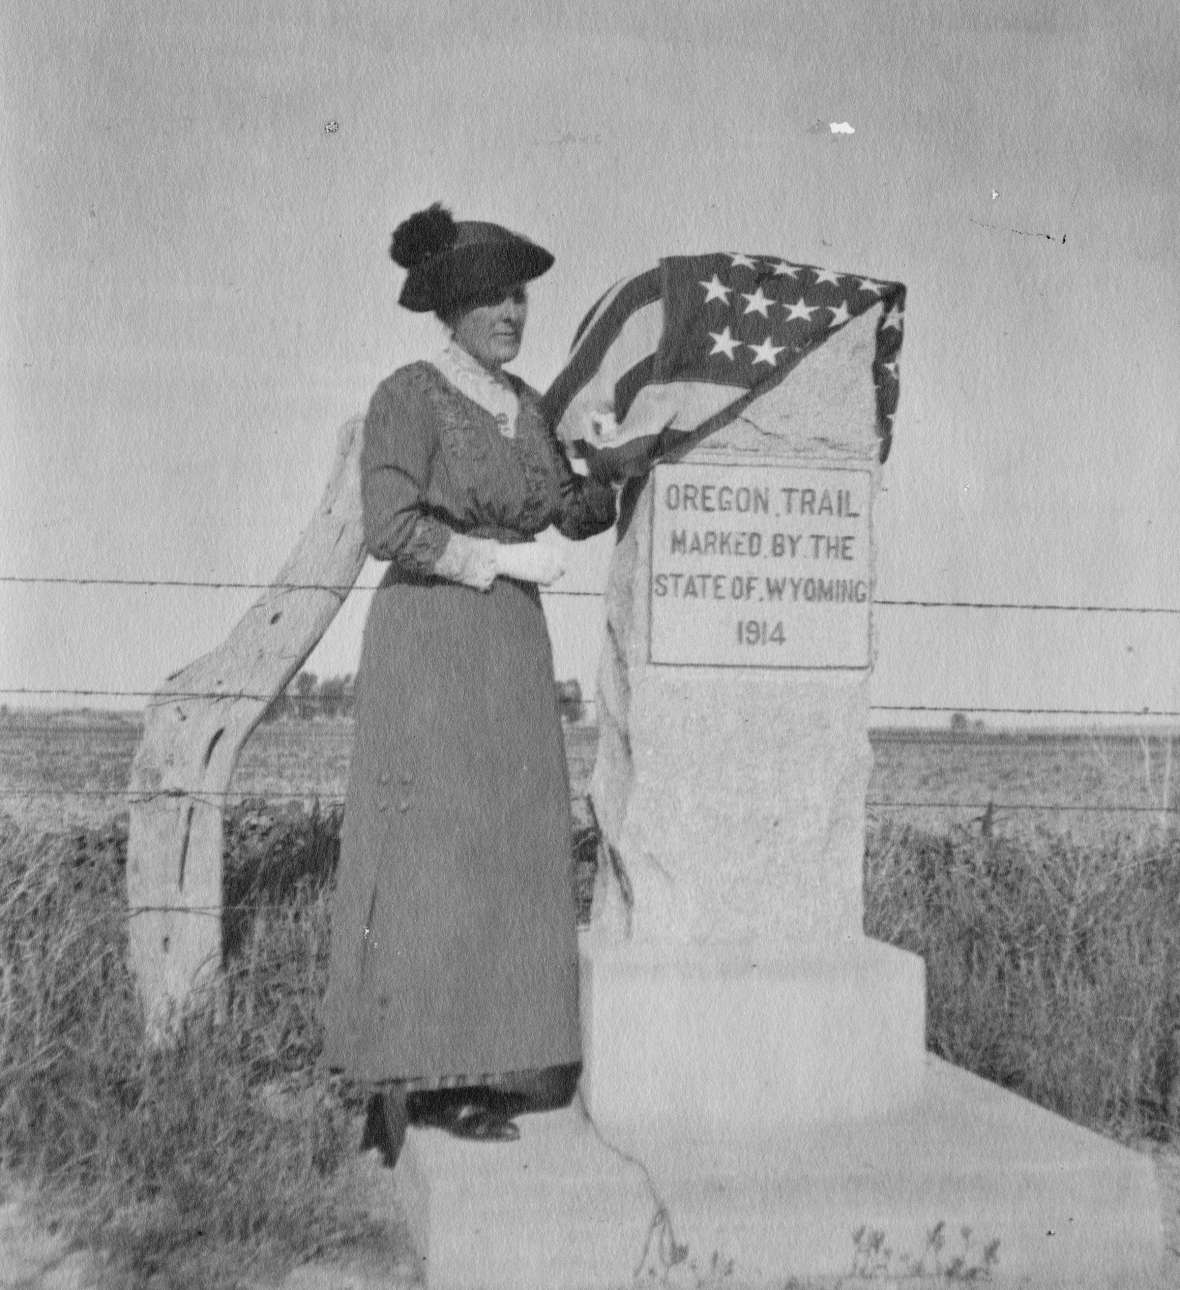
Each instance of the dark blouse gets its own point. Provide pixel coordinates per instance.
(434, 463)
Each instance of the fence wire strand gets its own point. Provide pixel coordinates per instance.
(246, 797)
(229, 584)
(284, 696)
(203, 584)
(312, 702)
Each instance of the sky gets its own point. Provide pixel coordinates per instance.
(197, 201)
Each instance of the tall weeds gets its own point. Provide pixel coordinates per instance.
(1053, 966)
(223, 1138)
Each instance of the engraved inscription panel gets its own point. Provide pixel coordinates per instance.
(760, 566)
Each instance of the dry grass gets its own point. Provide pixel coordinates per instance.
(1053, 966)
(224, 1144)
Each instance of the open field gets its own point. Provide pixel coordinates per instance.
(60, 769)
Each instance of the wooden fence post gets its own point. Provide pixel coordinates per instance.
(191, 740)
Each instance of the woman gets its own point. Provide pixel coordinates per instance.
(453, 976)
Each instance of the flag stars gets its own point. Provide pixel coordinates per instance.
(766, 352)
(715, 289)
(800, 310)
(723, 343)
(758, 303)
(801, 306)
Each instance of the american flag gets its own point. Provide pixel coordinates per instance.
(671, 354)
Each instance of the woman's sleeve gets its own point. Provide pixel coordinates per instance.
(396, 457)
(587, 506)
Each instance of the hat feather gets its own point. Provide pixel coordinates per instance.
(424, 234)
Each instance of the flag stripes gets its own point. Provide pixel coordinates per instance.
(680, 350)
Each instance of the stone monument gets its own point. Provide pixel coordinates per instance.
(757, 1103)
(726, 976)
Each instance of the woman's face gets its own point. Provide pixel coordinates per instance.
(490, 328)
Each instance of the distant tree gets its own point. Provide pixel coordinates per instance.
(333, 695)
(958, 721)
(569, 701)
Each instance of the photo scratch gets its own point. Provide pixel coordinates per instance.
(1007, 228)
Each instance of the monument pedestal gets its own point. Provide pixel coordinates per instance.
(965, 1178)
(730, 1045)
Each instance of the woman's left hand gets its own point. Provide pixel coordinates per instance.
(530, 562)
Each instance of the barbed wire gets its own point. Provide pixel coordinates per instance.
(344, 588)
(201, 584)
(1085, 808)
(297, 700)
(247, 797)
(1048, 606)
(1026, 712)
(305, 702)
(164, 696)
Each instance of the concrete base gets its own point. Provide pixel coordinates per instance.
(966, 1173)
(556, 1209)
(708, 1041)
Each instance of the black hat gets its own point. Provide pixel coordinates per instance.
(448, 262)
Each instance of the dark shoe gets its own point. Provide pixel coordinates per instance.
(478, 1123)
(439, 1108)
(434, 1108)
(385, 1126)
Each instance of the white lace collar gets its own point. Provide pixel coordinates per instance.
(493, 393)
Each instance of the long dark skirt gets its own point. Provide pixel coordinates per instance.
(454, 955)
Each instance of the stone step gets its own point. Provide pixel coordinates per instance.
(968, 1179)
(735, 1044)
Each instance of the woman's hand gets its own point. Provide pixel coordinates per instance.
(530, 562)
